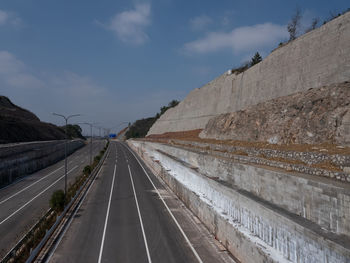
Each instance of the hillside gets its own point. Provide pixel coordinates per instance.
(140, 128)
(20, 125)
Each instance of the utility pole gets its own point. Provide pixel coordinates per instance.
(66, 118)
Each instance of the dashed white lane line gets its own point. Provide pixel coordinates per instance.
(31, 200)
(140, 217)
(8, 198)
(171, 214)
(107, 215)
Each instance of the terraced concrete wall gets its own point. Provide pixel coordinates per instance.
(322, 201)
(252, 229)
(320, 57)
(20, 159)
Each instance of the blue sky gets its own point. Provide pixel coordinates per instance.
(116, 61)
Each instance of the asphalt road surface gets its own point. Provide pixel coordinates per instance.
(129, 215)
(24, 202)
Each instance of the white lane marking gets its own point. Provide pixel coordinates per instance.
(171, 214)
(138, 211)
(8, 198)
(43, 191)
(107, 215)
(70, 222)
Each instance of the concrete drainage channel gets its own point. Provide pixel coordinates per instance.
(42, 252)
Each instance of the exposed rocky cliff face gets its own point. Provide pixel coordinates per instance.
(316, 116)
(20, 125)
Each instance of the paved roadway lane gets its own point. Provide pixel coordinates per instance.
(122, 219)
(24, 201)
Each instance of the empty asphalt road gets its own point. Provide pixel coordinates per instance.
(24, 202)
(130, 216)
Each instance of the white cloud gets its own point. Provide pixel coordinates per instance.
(245, 38)
(9, 18)
(67, 89)
(68, 92)
(200, 22)
(14, 73)
(129, 25)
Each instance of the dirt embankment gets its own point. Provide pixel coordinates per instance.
(316, 116)
(20, 125)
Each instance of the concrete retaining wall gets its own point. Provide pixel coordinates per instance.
(324, 202)
(320, 57)
(252, 229)
(21, 159)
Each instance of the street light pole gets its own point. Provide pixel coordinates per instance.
(91, 145)
(91, 125)
(66, 118)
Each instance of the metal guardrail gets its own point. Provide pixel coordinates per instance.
(35, 252)
(13, 251)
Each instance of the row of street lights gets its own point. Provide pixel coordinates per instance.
(66, 118)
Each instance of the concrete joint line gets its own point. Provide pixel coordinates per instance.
(107, 215)
(168, 209)
(140, 217)
(31, 200)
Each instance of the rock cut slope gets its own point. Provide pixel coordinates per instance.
(316, 116)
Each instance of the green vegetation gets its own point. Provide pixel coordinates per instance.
(57, 201)
(87, 170)
(33, 238)
(246, 65)
(140, 128)
(73, 131)
(313, 25)
(97, 159)
(255, 59)
(294, 25)
(163, 109)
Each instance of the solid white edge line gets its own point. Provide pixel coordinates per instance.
(70, 222)
(107, 215)
(15, 212)
(8, 198)
(140, 218)
(171, 214)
